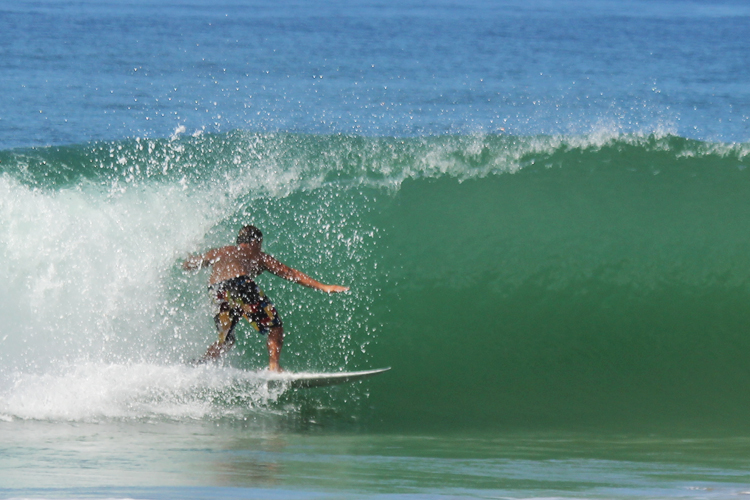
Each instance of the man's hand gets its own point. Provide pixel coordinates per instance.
(193, 262)
(335, 288)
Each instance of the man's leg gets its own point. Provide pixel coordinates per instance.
(274, 342)
(225, 323)
(262, 316)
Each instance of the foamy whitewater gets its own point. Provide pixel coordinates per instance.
(92, 392)
(540, 208)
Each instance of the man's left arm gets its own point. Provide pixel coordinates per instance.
(290, 274)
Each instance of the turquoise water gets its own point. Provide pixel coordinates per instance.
(564, 317)
(541, 210)
(237, 460)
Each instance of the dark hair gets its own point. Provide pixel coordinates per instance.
(248, 234)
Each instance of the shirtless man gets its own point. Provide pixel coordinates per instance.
(236, 295)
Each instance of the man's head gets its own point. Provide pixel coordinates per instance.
(250, 235)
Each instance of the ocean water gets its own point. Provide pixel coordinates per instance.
(541, 209)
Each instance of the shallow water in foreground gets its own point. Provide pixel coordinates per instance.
(257, 459)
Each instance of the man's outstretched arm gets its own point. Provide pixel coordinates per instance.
(286, 272)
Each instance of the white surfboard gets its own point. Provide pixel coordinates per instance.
(308, 380)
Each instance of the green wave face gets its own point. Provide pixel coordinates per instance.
(540, 282)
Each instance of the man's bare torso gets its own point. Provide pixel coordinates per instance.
(233, 261)
(246, 259)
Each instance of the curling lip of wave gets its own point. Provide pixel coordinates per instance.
(281, 163)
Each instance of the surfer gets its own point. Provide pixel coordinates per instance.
(235, 294)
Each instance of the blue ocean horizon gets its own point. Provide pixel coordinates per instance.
(75, 72)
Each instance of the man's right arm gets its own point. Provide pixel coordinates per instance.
(201, 260)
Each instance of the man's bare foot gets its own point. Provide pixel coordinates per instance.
(274, 342)
(274, 367)
(215, 351)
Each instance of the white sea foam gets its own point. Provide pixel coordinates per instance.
(90, 391)
(93, 302)
(82, 272)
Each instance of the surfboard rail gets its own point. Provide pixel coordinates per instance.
(308, 380)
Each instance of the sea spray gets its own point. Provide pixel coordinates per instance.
(94, 392)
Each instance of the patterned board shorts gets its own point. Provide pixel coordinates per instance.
(241, 297)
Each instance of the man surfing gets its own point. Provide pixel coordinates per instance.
(235, 294)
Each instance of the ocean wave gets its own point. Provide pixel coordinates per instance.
(281, 163)
(582, 279)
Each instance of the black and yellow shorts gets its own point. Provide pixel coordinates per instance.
(241, 297)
